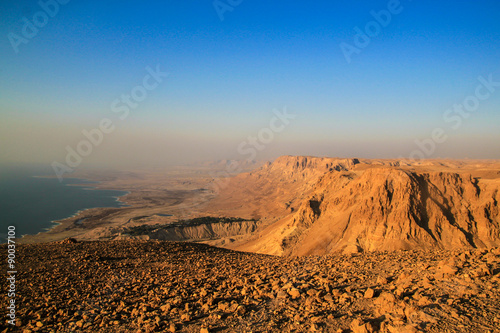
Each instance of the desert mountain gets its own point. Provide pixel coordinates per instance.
(315, 206)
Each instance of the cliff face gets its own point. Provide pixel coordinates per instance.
(275, 189)
(389, 209)
(352, 206)
(205, 231)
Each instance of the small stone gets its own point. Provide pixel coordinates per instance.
(424, 301)
(449, 269)
(241, 310)
(385, 302)
(357, 326)
(481, 271)
(311, 292)
(294, 293)
(369, 293)
(336, 292)
(445, 271)
(223, 306)
(344, 298)
(407, 329)
(382, 280)
(165, 308)
(282, 294)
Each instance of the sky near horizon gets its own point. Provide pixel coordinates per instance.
(421, 82)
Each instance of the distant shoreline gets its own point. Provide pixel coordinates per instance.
(83, 184)
(83, 210)
(173, 194)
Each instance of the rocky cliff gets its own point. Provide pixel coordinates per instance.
(325, 205)
(204, 231)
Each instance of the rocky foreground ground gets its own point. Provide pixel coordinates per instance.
(137, 286)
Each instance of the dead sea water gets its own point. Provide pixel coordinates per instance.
(30, 201)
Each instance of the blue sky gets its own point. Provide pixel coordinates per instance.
(227, 76)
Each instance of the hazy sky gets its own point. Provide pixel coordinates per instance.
(362, 78)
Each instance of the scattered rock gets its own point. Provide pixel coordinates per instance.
(369, 293)
(68, 241)
(382, 280)
(294, 293)
(357, 326)
(169, 286)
